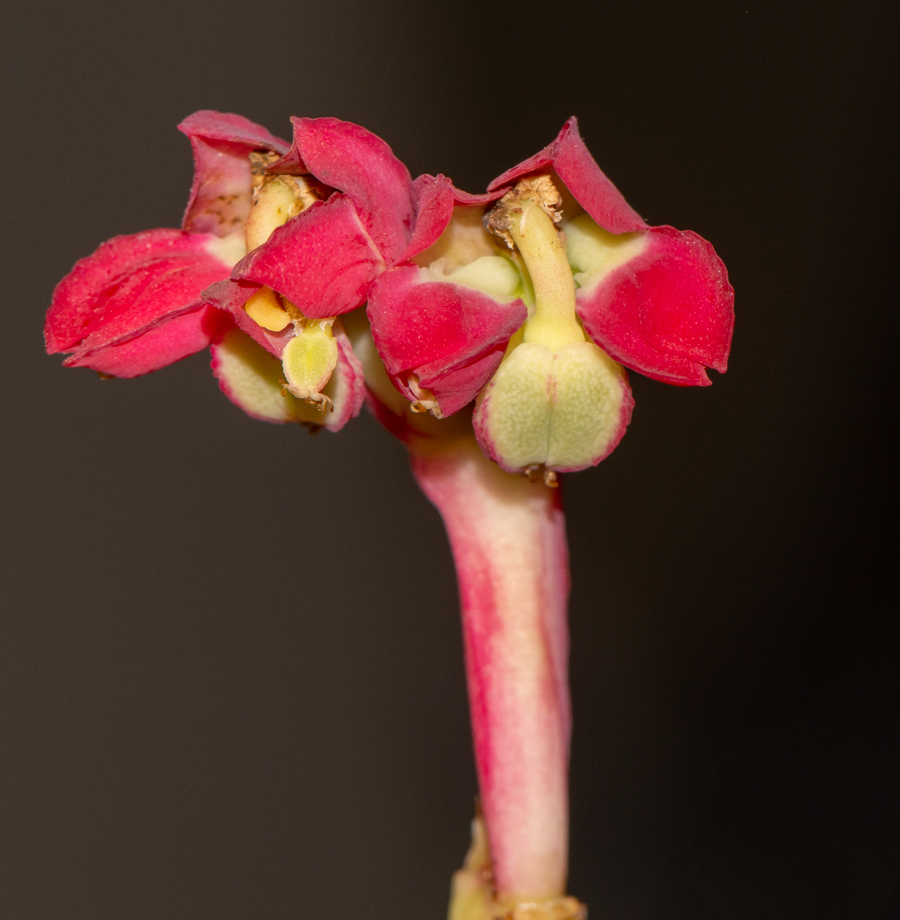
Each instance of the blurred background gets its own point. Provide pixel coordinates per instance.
(231, 678)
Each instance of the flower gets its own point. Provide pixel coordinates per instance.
(244, 275)
(304, 270)
(529, 297)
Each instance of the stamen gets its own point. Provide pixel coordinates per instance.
(424, 401)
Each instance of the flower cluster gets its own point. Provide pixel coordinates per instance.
(320, 275)
(318, 272)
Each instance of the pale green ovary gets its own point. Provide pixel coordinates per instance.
(594, 253)
(559, 408)
(255, 378)
(309, 359)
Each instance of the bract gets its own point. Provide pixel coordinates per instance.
(134, 306)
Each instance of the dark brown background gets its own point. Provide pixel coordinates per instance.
(230, 669)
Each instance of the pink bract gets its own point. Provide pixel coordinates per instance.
(668, 313)
(134, 305)
(322, 260)
(451, 337)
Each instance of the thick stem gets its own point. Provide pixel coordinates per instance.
(509, 545)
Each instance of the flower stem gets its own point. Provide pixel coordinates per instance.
(508, 540)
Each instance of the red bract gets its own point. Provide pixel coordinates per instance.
(134, 306)
(435, 334)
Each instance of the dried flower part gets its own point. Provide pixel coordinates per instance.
(507, 213)
(566, 908)
(306, 186)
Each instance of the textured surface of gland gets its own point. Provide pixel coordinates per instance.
(561, 409)
(468, 255)
(557, 400)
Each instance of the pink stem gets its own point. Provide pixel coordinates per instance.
(509, 545)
